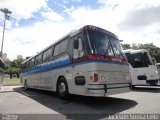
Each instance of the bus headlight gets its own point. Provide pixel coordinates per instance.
(104, 78)
(127, 76)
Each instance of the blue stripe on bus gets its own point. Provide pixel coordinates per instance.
(63, 64)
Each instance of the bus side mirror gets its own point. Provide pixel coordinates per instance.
(76, 43)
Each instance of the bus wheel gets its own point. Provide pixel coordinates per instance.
(25, 85)
(132, 87)
(62, 88)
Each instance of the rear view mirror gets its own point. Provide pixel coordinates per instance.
(76, 43)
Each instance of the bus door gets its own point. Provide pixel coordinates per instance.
(78, 69)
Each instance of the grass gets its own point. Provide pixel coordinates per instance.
(11, 81)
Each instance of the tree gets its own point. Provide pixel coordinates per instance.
(126, 46)
(13, 67)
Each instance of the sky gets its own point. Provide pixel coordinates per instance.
(35, 24)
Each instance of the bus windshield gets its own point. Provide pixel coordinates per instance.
(138, 60)
(104, 44)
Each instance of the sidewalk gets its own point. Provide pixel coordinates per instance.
(7, 88)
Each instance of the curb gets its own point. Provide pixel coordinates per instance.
(11, 84)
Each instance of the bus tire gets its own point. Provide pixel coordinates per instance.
(25, 85)
(132, 87)
(62, 88)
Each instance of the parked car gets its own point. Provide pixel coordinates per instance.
(14, 75)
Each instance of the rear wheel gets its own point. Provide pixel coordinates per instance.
(62, 88)
(132, 87)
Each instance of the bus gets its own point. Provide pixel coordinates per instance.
(1, 71)
(158, 67)
(143, 70)
(88, 61)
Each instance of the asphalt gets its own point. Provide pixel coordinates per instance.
(38, 104)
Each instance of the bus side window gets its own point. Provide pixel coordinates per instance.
(63, 46)
(32, 62)
(27, 64)
(56, 50)
(78, 50)
(47, 55)
(38, 59)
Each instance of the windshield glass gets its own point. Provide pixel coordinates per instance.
(104, 44)
(138, 60)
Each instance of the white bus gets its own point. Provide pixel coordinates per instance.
(142, 69)
(88, 61)
(158, 67)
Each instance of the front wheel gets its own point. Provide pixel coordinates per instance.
(62, 88)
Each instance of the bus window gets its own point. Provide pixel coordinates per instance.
(63, 46)
(147, 58)
(117, 48)
(110, 50)
(27, 64)
(24, 66)
(78, 53)
(47, 55)
(38, 59)
(99, 42)
(137, 60)
(31, 62)
(104, 44)
(56, 50)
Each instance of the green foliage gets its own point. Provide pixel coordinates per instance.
(154, 50)
(13, 67)
(13, 80)
(126, 46)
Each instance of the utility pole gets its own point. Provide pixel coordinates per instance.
(6, 17)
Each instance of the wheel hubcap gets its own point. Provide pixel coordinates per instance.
(62, 88)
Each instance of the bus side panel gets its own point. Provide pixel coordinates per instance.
(32, 79)
(48, 80)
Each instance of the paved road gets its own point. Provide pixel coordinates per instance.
(14, 100)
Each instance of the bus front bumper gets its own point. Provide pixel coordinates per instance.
(108, 89)
(152, 82)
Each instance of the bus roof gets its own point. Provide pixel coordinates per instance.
(73, 33)
(132, 51)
